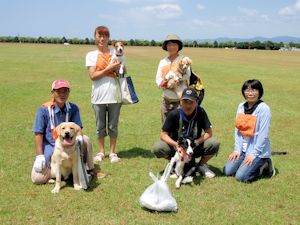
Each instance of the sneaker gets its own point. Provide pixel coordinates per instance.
(205, 171)
(99, 157)
(114, 158)
(267, 170)
(187, 180)
(272, 171)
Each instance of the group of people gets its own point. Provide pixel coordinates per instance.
(181, 117)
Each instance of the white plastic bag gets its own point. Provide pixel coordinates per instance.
(158, 196)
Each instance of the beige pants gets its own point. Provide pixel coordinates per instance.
(44, 176)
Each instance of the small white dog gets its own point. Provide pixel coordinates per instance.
(181, 158)
(176, 73)
(65, 155)
(118, 56)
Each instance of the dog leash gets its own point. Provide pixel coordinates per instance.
(51, 117)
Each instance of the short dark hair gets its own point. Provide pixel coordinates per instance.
(102, 30)
(254, 84)
(179, 43)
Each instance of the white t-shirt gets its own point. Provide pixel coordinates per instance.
(104, 90)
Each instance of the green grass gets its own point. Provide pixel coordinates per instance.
(26, 73)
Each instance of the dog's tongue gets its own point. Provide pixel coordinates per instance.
(67, 141)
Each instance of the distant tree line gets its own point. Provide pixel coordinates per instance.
(269, 45)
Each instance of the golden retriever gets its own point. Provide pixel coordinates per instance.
(65, 155)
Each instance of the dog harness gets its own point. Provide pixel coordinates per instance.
(50, 107)
(182, 153)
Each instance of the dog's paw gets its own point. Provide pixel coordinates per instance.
(178, 182)
(51, 181)
(77, 187)
(55, 190)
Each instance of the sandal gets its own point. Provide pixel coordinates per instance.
(114, 158)
(99, 157)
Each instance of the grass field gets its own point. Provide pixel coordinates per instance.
(26, 73)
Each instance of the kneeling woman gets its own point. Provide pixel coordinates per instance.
(251, 158)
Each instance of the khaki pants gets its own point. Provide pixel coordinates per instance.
(210, 147)
(44, 176)
(166, 107)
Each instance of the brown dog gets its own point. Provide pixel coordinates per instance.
(176, 73)
(65, 155)
(118, 56)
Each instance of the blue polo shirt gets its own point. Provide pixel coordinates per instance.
(42, 124)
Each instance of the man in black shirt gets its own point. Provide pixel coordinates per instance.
(190, 121)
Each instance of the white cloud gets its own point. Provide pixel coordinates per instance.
(290, 10)
(200, 7)
(163, 11)
(248, 12)
(253, 14)
(265, 17)
(204, 23)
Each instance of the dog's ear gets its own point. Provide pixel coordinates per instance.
(58, 129)
(77, 128)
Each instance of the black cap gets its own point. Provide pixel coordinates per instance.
(190, 94)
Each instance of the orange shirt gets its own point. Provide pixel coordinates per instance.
(246, 123)
(103, 61)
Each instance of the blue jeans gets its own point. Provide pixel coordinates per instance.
(243, 172)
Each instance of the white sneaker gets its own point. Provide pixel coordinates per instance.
(205, 171)
(187, 180)
(99, 158)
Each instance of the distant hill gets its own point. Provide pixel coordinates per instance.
(284, 39)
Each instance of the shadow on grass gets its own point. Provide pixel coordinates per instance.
(94, 184)
(157, 212)
(217, 171)
(136, 152)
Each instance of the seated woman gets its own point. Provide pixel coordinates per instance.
(251, 158)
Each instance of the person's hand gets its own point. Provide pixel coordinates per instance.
(249, 160)
(79, 138)
(234, 156)
(39, 163)
(196, 142)
(114, 66)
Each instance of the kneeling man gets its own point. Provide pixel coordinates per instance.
(48, 116)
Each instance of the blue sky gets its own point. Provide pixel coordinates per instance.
(151, 19)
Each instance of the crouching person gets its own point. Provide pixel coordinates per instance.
(189, 121)
(48, 116)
